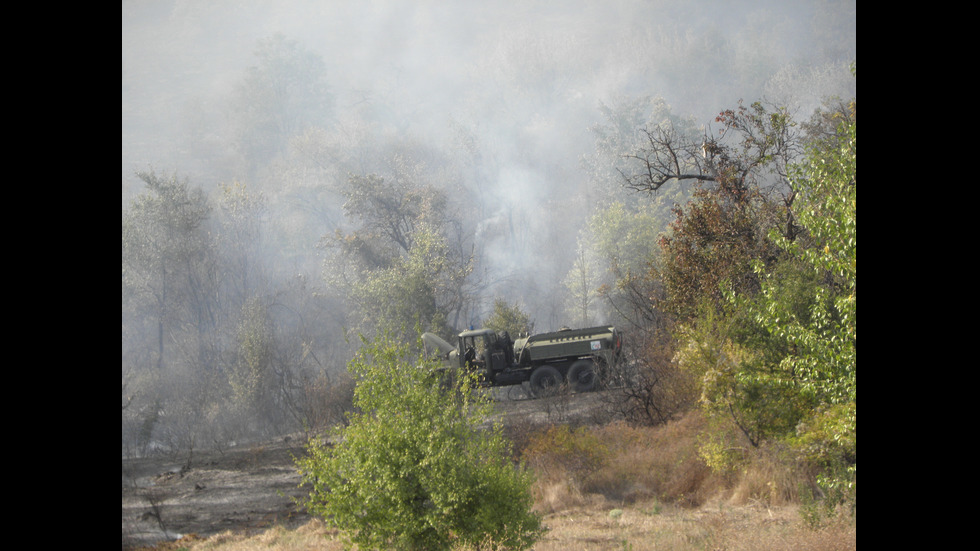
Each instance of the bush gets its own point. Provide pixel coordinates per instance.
(414, 469)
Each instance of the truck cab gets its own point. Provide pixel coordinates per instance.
(486, 351)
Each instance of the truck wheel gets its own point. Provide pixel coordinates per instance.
(582, 376)
(545, 380)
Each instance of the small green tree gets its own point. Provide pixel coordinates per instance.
(511, 319)
(414, 469)
(250, 377)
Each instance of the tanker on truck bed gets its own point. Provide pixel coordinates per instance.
(579, 357)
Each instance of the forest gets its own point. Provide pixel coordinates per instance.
(298, 176)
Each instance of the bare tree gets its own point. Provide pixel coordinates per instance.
(752, 150)
(649, 389)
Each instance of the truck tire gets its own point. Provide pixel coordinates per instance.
(582, 376)
(545, 380)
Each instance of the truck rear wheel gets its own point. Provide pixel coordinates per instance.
(545, 380)
(582, 376)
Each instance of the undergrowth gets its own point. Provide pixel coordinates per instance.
(647, 488)
(624, 465)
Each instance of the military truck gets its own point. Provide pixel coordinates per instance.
(579, 357)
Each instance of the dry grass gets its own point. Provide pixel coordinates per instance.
(312, 536)
(645, 526)
(649, 526)
(626, 465)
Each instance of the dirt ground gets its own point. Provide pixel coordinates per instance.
(254, 486)
(247, 487)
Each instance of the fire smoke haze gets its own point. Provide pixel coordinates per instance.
(496, 97)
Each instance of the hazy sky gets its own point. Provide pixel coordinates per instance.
(493, 63)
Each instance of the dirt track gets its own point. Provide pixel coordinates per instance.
(249, 487)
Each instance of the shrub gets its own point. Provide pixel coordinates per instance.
(413, 469)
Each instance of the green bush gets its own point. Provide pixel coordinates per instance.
(414, 469)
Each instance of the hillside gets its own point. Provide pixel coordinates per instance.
(242, 497)
(245, 488)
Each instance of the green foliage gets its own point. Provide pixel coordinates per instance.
(251, 376)
(770, 310)
(511, 319)
(737, 379)
(582, 283)
(393, 209)
(616, 253)
(398, 268)
(627, 236)
(822, 335)
(414, 469)
(416, 291)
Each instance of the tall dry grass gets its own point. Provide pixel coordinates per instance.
(620, 465)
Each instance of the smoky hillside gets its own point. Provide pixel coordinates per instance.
(298, 174)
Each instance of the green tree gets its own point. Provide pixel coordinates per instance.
(505, 317)
(398, 268)
(780, 361)
(582, 283)
(414, 469)
(415, 291)
(389, 212)
(251, 376)
(820, 332)
(626, 238)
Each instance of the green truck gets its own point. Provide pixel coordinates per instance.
(579, 357)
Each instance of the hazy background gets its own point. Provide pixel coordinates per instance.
(510, 117)
(495, 102)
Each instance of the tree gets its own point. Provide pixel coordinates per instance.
(754, 141)
(250, 377)
(582, 283)
(389, 212)
(167, 262)
(820, 331)
(779, 362)
(414, 469)
(397, 267)
(712, 245)
(621, 138)
(278, 97)
(741, 192)
(511, 319)
(241, 212)
(626, 238)
(417, 291)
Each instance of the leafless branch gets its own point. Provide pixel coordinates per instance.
(666, 157)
